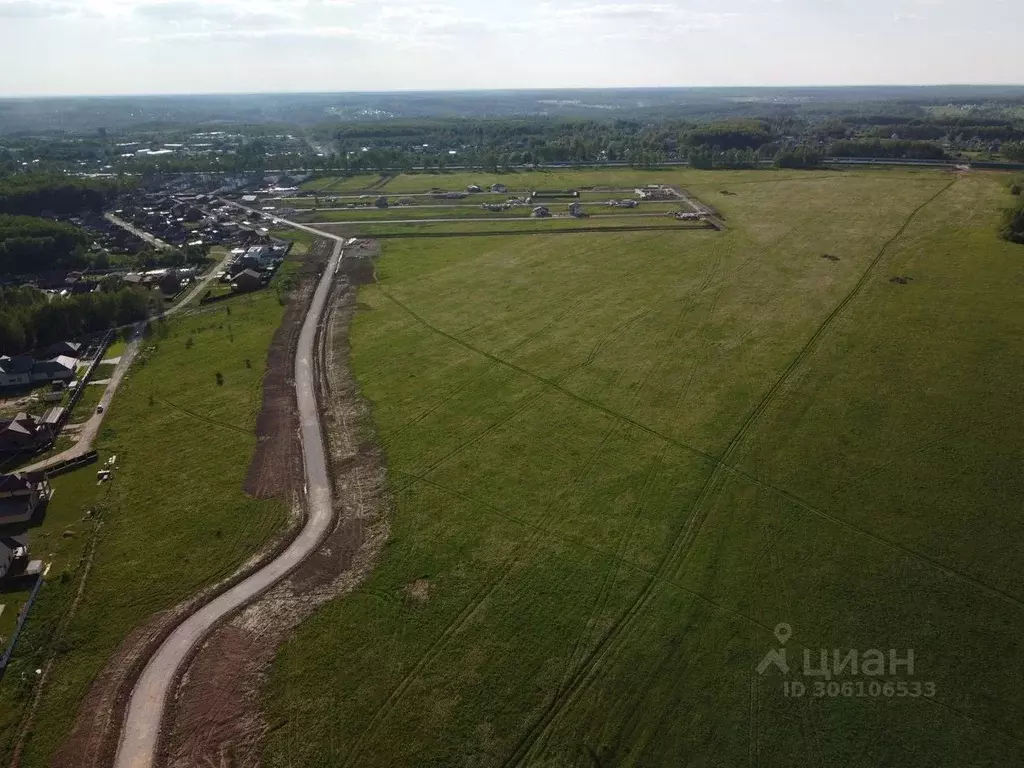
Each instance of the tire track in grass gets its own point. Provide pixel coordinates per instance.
(805, 352)
(656, 468)
(613, 570)
(445, 399)
(687, 536)
(475, 603)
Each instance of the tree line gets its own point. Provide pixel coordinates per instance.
(34, 194)
(30, 319)
(30, 245)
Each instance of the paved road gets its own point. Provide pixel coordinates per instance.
(201, 286)
(154, 241)
(141, 729)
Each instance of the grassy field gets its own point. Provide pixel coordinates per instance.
(455, 212)
(175, 518)
(454, 227)
(338, 184)
(620, 460)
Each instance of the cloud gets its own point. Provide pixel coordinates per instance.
(33, 9)
(212, 13)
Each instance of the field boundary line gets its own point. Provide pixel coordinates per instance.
(688, 535)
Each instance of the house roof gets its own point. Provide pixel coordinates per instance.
(15, 482)
(63, 348)
(13, 542)
(16, 365)
(63, 362)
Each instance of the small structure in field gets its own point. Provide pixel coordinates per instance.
(541, 212)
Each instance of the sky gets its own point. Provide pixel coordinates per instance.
(72, 47)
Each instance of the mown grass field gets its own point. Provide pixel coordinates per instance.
(175, 517)
(619, 460)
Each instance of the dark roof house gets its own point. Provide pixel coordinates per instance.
(67, 348)
(247, 281)
(20, 496)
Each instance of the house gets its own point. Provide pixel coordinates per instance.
(260, 256)
(13, 553)
(247, 281)
(473, 188)
(575, 209)
(20, 496)
(61, 368)
(16, 371)
(541, 212)
(62, 348)
(170, 284)
(24, 433)
(499, 188)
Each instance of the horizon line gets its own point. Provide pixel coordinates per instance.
(469, 91)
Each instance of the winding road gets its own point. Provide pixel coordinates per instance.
(140, 733)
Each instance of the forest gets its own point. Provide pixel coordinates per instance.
(30, 245)
(36, 194)
(30, 319)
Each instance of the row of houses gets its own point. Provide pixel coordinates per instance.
(29, 434)
(26, 371)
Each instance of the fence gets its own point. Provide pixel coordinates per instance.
(69, 464)
(77, 394)
(22, 618)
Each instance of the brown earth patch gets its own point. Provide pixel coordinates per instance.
(418, 590)
(217, 717)
(92, 742)
(276, 467)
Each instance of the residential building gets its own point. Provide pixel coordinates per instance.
(59, 369)
(247, 281)
(21, 495)
(500, 188)
(16, 371)
(13, 553)
(24, 433)
(63, 348)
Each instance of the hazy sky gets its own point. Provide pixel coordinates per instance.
(200, 46)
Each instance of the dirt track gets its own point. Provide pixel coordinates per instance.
(216, 718)
(93, 739)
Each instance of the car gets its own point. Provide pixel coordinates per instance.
(99, 409)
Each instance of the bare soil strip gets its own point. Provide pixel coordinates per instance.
(216, 717)
(93, 740)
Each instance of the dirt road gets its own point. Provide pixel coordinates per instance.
(141, 730)
(91, 428)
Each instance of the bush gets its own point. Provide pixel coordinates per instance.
(1013, 225)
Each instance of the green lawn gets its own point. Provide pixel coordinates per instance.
(620, 460)
(176, 517)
